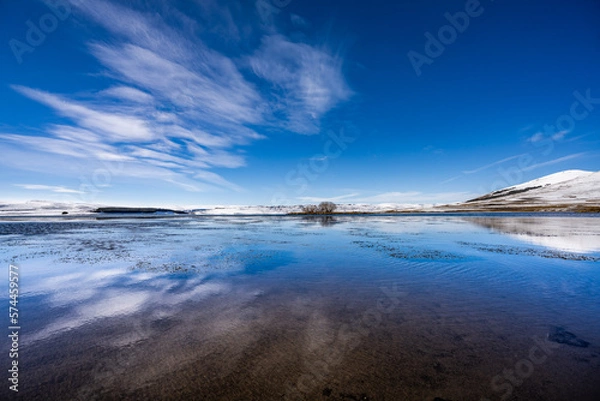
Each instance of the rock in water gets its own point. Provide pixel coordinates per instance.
(561, 336)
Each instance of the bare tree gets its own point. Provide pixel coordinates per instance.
(310, 209)
(323, 208)
(327, 207)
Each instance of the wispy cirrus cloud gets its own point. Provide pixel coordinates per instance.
(408, 197)
(493, 164)
(340, 198)
(51, 188)
(539, 137)
(114, 126)
(128, 93)
(484, 167)
(176, 107)
(555, 161)
(412, 197)
(307, 81)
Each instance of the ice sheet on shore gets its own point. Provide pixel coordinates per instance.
(281, 210)
(45, 208)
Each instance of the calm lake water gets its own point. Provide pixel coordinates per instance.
(290, 308)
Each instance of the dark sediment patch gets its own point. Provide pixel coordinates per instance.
(141, 210)
(561, 336)
(512, 250)
(409, 252)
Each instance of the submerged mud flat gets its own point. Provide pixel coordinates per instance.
(291, 308)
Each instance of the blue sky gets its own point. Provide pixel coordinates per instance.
(293, 101)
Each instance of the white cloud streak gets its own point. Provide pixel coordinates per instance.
(413, 197)
(555, 161)
(51, 188)
(497, 162)
(339, 198)
(409, 197)
(114, 126)
(128, 93)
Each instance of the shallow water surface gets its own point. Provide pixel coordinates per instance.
(291, 308)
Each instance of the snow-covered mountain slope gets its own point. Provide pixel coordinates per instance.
(553, 179)
(567, 190)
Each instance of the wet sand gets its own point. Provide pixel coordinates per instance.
(296, 346)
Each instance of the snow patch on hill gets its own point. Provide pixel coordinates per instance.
(553, 179)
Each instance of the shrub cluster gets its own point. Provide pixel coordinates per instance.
(322, 208)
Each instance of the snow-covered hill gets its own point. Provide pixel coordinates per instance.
(575, 190)
(555, 178)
